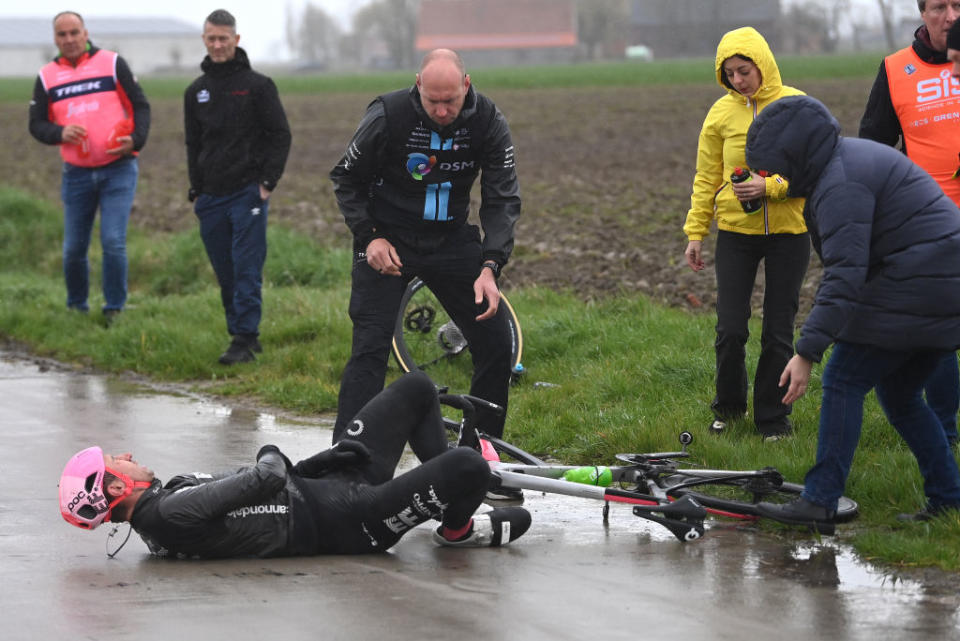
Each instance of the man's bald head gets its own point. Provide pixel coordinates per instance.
(443, 85)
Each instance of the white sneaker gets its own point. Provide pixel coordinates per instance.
(493, 529)
(718, 426)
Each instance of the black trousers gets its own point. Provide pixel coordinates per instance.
(785, 258)
(449, 268)
(366, 509)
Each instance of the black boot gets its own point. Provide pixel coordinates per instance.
(800, 511)
(240, 351)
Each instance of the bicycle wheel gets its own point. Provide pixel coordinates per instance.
(425, 337)
(740, 495)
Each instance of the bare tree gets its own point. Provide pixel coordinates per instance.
(599, 22)
(886, 15)
(313, 36)
(394, 23)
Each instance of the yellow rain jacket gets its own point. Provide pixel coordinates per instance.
(721, 150)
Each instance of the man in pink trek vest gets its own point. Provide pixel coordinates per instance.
(88, 102)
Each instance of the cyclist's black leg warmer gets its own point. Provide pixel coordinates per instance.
(407, 410)
(374, 301)
(354, 519)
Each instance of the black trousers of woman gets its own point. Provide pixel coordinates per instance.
(785, 258)
(366, 509)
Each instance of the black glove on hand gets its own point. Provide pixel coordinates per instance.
(266, 449)
(345, 453)
(192, 194)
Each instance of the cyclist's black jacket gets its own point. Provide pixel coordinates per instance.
(236, 129)
(257, 511)
(381, 194)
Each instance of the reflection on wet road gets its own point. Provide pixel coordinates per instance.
(568, 578)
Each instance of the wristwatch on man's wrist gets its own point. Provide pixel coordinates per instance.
(494, 266)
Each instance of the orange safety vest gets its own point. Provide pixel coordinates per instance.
(927, 101)
(89, 95)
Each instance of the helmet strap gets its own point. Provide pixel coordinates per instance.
(129, 485)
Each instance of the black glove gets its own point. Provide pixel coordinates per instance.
(192, 194)
(266, 449)
(346, 453)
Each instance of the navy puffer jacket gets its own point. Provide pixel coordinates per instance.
(888, 237)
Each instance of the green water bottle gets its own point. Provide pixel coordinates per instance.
(590, 475)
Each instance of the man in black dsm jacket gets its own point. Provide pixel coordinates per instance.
(237, 144)
(403, 186)
(344, 500)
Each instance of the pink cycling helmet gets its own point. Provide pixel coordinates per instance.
(82, 499)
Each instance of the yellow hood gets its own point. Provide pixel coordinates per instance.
(747, 42)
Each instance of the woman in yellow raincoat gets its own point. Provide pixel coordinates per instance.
(774, 233)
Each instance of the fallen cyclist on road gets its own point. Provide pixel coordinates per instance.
(344, 500)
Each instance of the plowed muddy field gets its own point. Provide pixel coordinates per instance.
(605, 177)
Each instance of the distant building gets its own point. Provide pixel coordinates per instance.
(495, 32)
(692, 28)
(149, 45)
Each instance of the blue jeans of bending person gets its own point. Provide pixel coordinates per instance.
(234, 233)
(110, 188)
(942, 390)
(852, 371)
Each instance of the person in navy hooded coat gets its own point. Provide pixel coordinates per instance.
(889, 300)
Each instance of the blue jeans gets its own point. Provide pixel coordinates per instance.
(852, 371)
(943, 394)
(83, 189)
(234, 233)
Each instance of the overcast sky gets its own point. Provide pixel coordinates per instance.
(260, 23)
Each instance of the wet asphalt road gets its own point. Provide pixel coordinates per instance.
(568, 578)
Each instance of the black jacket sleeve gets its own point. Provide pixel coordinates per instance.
(844, 242)
(356, 170)
(499, 192)
(275, 138)
(40, 126)
(198, 504)
(192, 136)
(141, 108)
(880, 122)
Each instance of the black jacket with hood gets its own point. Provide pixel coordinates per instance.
(236, 129)
(888, 236)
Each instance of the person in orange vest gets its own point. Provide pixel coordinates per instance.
(912, 103)
(89, 103)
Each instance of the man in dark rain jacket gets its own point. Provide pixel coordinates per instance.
(403, 187)
(237, 144)
(889, 301)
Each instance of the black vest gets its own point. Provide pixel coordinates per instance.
(425, 178)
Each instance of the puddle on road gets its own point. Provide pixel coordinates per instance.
(59, 412)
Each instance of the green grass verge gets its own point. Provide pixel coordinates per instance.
(630, 375)
(599, 74)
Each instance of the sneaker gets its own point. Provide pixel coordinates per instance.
(772, 432)
(493, 529)
(504, 495)
(255, 346)
(238, 352)
(922, 515)
(800, 511)
(926, 513)
(717, 426)
(110, 316)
